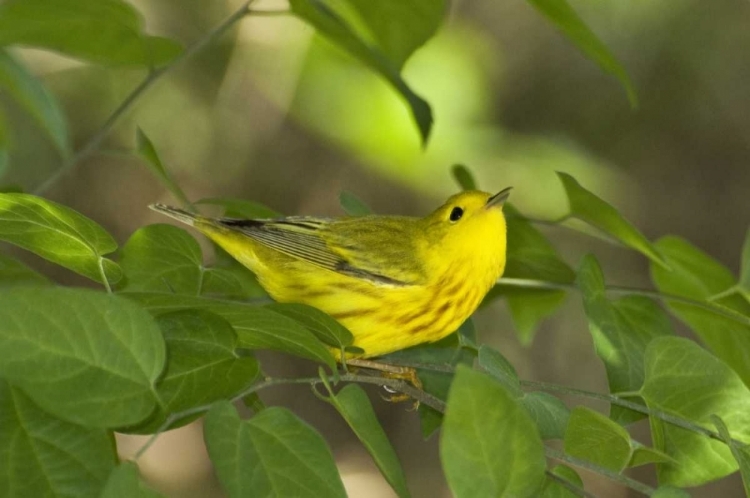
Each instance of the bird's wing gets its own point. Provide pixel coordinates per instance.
(340, 246)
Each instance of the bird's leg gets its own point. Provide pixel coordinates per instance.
(408, 374)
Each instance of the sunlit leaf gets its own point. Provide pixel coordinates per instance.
(696, 275)
(565, 18)
(586, 206)
(124, 482)
(41, 455)
(148, 153)
(100, 31)
(84, 356)
(686, 380)
(14, 273)
(463, 177)
(353, 205)
(741, 452)
(273, 454)
(489, 446)
(203, 365)
(332, 26)
(554, 489)
(58, 234)
(26, 90)
(354, 406)
(621, 331)
(256, 327)
(595, 438)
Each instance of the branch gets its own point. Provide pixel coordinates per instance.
(613, 289)
(153, 76)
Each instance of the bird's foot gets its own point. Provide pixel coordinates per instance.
(387, 371)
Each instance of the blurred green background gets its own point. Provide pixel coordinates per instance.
(272, 113)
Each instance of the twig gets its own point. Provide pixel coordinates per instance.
(154, 75)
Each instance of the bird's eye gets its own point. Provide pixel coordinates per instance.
(456, 214)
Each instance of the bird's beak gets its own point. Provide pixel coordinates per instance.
(499, 198)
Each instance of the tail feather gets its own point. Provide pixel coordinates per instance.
(176, 213)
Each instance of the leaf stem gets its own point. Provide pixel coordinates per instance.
(105, 281)
(619, 290)
(614, 476)
(394, 384)
(154, 75)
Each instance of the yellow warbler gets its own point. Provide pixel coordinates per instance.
(393, 281)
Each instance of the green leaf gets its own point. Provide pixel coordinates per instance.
(240, 208)
(396, 27)
(595, 438)
(124, 482)
(287, 457)
(325, 328)
(41, 455)
(148, 153)
(256, 327)
(203, 365)
(589, 208)
(165, 258)
(548, 413)
(338, 31)
(553, 489)
(26, 90)
(494, 363)
(621, 331)
(686, 380)
(84, 356)
(353, 205)
(58, 234)
(695, 275)
(100, 31)
(463, 177)
(670, 492)
(489, 446)
(529, 307)
(741, 452)
(4, 142)
(567, 20)
(354, 406)
(14, 273)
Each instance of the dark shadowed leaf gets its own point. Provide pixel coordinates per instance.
(203, 365)
(354, 406)
(745, 267)
(110, 350)
(58, 234)
(686, 380)
(124, 482)
(565, 18)
(696, 275)
(337, 30)
(41, 455)
(586, 206)
(287, 456)
(741, 452)
(29, 93)
(240, 208)
(353, 205)
(326, 328)
(100, 31)
(463, 177)
(489, 446)
(621, 331)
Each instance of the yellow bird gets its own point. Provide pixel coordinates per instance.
(393, 281)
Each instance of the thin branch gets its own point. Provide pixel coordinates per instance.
(154, 75)
(614, 476)
(394, 384)
(619, 290)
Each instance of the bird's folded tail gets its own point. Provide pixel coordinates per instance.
(176, 213)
